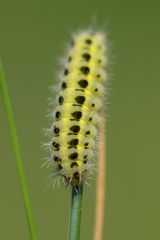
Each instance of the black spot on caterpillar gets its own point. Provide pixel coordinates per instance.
(86, 56)
(88, 132)
(73, 143)
(61, 99)
(73, 155)
(66, 72)
(81, 90)
(79, 101)
(86, 144)
(72, 134)
(85, 156)
(57, 159)
(77, 115)
(76, 175)
(76, 105)
(88, 41)
(60, 167)
(56, 130)
(75, 128)
(83, 83)
(74, 164)
(57, 114)
(85, 70)
(64, 85)
(56, 145)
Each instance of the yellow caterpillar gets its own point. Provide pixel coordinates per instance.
(79, 100)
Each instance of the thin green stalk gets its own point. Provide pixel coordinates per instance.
(76, 209)
(17, 153)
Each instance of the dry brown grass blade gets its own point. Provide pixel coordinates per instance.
(100, 188)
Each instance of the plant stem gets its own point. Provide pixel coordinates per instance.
(17, 153)
(101, 183)
(76, 209)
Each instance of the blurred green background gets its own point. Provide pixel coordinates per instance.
(33, 35)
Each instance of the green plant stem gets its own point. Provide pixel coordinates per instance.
(17, 153)
(76, 209)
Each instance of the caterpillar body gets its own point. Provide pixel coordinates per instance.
(79, 101)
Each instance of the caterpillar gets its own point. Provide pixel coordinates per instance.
(79, 101)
